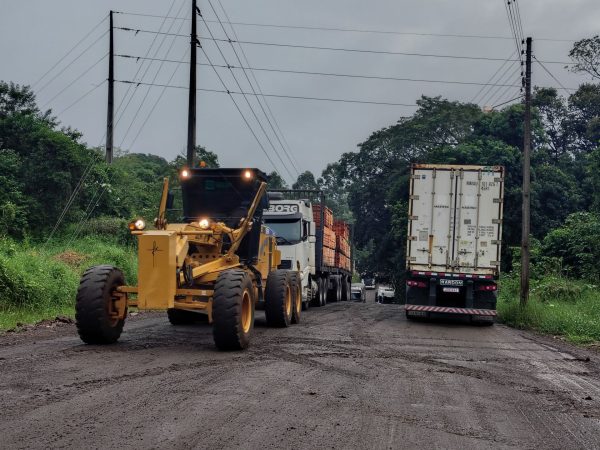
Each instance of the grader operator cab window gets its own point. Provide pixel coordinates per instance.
(225, 195)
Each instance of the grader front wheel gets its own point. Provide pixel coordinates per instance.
(278, 299)
(99, 312)
(233, 310)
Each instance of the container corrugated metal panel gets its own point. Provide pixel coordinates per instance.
(455, 219)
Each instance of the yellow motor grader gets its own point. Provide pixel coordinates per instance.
(220, 263)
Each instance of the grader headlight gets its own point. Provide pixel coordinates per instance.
(185, 174)
(204, 224)
(247, 175)
(137, 225)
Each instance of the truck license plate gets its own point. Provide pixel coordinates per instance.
(454, 290)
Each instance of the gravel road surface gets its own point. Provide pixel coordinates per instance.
(350, 376)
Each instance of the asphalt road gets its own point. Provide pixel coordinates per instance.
(352, 375)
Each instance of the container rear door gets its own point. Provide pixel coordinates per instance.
(478, 221)
(432, 219)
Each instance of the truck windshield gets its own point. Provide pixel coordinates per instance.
(289, 231)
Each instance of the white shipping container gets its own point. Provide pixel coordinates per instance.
(455, 219)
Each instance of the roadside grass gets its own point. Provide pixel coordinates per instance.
(38, 283)
(557, 307)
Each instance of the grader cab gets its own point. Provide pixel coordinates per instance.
(220, 263)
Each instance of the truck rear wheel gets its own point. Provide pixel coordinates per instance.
(278, 299)
(324, 289)
(296, 296)
(233, 310)
(96, 311)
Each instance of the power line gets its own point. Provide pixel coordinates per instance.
(552, 75)
(75, 80)
(258, 98)
(69, 52)
(82, 97)
(240, 112)
(339, 49)
(71, 63)
(298, 97)
(507, 101)
(246, 99)
(327, 74)
(356, 30)
(265, 100)
(506, 61)
(493, 92)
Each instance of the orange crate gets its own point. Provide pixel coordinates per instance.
(342, 229)
(328, 256)
(327, 216)
(342, 245)
(328, 238)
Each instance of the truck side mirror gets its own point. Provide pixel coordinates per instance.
(170, 200)
(313, 229)
(312, 240)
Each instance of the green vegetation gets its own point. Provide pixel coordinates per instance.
(40, 283)
(558, 307)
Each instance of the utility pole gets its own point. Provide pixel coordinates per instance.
(191, 142)
(111, 96)
(526, 180)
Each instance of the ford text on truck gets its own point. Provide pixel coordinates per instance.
(454, 240)
(312, 242)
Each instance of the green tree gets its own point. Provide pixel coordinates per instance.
(276, 181)
(306, 180)
(586, 54)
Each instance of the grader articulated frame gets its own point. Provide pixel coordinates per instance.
(219, 263)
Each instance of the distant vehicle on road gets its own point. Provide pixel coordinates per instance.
(358, 292)
(369, 282)
(385, 294)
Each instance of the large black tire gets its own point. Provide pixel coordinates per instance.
(233, 310)
(278, 299)
(181, 317)
(324, 283)
(345, 290)
(296, 296)
(332, 292)
(316, 295)
(94, 305)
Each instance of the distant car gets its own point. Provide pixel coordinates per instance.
(358, 292)
(385, 294)
(369, 283)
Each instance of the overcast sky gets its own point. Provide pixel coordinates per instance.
(35, 34)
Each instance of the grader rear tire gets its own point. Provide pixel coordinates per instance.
(278, 299)
(296, 297)
(233, 310)
(94, 308)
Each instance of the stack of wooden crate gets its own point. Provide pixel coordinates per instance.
(342, 247)
(329, 239)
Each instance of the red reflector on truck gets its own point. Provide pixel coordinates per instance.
(417, 284)
(487, 287)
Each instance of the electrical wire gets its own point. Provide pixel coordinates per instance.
(75, 80)
(497, 88)
(256, 96)
(71, 63)
(241, 113)
(491, 79)
(327, 74)
(79, 99)
(340, 49)
(355, 30)
(298, 97)
(508, 101)
(552, 75)
(266, 101)
(247, 101)
(70, 51)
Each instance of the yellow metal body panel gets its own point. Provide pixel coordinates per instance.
(157, 269)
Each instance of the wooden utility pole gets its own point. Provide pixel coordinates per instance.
(191, 142)
(111, 96)
(526, 225)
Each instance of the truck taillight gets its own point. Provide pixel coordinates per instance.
(487, 287)
(417, 284)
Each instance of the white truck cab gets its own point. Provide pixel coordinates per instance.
(293, 224)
